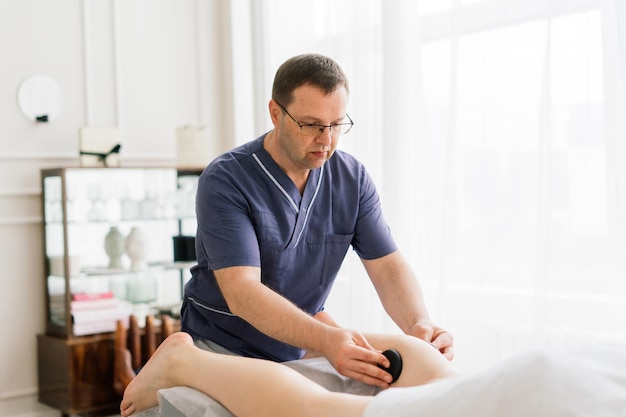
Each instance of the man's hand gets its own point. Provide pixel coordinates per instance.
(352, 356)
(436, 336)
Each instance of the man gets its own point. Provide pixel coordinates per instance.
(276, 217)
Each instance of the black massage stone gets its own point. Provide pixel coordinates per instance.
(395, 367)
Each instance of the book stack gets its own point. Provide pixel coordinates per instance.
(97, 312)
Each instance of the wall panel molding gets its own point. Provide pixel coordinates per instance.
(20, 207)
(20, 221)
(63, 157)
(10, 194)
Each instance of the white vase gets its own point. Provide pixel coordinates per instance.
(137, 249)
(114, 247)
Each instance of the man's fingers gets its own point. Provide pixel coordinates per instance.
(361, 364)
(448, 352)
(367, 373)
(356, 358)
(368, 353)
(444, 342)
(361, 341)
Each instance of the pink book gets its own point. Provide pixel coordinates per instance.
(84, 296)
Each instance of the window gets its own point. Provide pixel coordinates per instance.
(490, 129)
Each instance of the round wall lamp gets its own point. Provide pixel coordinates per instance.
(39, 98)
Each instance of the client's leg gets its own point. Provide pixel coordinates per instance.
(247, 387)
(253, 387)
(421, 362)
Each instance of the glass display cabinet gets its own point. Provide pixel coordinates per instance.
(116, 241)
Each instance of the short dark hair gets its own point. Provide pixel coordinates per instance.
(312, 69)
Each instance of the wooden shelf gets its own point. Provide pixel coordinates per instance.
(76, 375)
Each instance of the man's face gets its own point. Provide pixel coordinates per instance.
(310, 105)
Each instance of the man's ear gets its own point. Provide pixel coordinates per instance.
(274, 110)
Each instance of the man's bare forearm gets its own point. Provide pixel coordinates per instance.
(398, 290)
(268, 311)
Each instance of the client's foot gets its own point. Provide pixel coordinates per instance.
(141, 393)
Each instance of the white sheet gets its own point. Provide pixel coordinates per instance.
(584, 382)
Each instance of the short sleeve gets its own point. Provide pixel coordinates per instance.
(372, 237)
(225, 228)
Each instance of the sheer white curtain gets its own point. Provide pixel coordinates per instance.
(495, 132)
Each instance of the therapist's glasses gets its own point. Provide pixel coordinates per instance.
(312, 129)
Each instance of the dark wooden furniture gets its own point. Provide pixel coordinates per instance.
(87, 375)
(76, 375)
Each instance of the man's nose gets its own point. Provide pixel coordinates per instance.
(325, 137)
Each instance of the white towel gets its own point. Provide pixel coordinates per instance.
(588, 381)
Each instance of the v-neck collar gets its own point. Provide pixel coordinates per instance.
(286, 186)
(301, 204)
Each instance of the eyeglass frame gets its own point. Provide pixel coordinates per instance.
(323, 127)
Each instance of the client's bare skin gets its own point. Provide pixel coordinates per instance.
(253, 387)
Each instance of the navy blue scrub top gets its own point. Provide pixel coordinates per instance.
(251, 214)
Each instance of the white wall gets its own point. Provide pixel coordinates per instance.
(145, 66)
